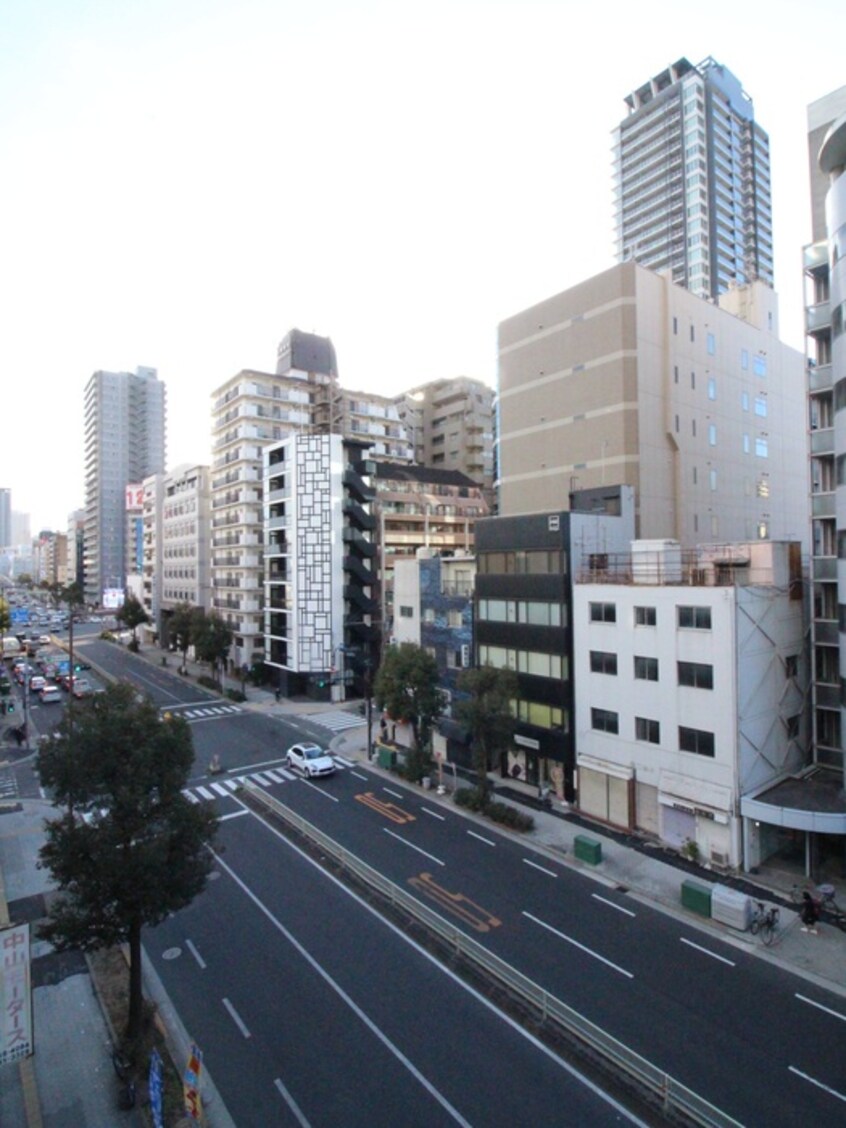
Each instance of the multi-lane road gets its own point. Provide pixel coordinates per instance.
(311, 1010)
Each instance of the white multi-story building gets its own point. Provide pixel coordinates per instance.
(692, 180)
(690, 682)
(318, 558)
(124, 443)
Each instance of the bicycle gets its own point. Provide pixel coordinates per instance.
(765, 921)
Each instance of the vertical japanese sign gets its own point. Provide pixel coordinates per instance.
(15, 994)
(156, 1089)
(191, 1083)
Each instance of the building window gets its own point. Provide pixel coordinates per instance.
(697, 617)
(692, 334)
(698, 675)
(761, 406)
(793, 726)
(693, 381)
(645, 669)
(744, 359)
(712, 344)
(603, 662)
(648, 730)
(429, 615)
(603, 720)
(744, 400)
(791, 666)
(712, 479)
(712, 388)
(759, 366)
(712, 434)
(745, 443)
(698, 741)
(762, 446)
(645, 616)
(603, 612)
(453, 618)
(406, 612)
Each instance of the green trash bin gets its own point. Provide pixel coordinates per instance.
(386, 758)
(696, 896)
(587, 849)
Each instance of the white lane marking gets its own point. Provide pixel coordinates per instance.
(819, 1084)
(232, 784)
(487, 841)
(219, 788)
(262, 779)
(322, 791)
(189, 945)
(819, 1006)
(255, 767)
(273, 776)
(433, 814)
(189, 795)
(612, 905)
(342, 760)
(236, 1018)
(206, 794)
(706, 952)
(396, 794)
(543, 869)
(286, 774)
(360, 775)
(292, 1105)
(347, 999)
(233, 815)
(431, 857)
(576, 944)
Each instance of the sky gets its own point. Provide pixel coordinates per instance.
(183, 181)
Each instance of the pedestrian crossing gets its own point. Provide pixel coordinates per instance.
(203, 712)
(8, 786)
(227, 785)
(336, 722)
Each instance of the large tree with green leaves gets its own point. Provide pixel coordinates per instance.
(406, 685)
(5, 617)
(132, 615)
(181, 628)
(487, 712)
(212, 638)
(129, 847)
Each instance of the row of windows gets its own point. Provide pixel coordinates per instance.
(698, 741)
(699, 675)
(525, 661)
(699, 618)
(541, 715)
(539, 613)
(532, 562)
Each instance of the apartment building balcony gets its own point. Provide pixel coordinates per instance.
(823, 505)
(815, 257)
(274, 523)
(826, 632)
(824, 567)
(818, 317)
(281, 494)
(819, 378)
(822, 441)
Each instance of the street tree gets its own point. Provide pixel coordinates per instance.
(5, 617)
(406, 685)
(128, 848)
(132, 615)
(212, 638)
(487, 712)
(181, 627)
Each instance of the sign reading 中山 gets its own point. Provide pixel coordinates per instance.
(15, 994)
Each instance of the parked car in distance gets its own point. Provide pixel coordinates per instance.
(311, 760)
(50, 694)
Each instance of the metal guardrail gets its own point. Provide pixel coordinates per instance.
(674, 1096)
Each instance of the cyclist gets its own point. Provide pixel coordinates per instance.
(809, 913)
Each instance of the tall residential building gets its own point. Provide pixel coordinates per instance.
(692, 180)
(76, 548)
(825, 324)
(629, 378)
(124, 443)
(5, 517)
(450, 424)
(319, 566)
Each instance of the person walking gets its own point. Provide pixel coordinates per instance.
(809, 913)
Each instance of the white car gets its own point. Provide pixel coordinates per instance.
(50, 694)
(311, 759)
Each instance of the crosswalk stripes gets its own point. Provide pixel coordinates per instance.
(204, 712)
(225, 786)
(336, 722)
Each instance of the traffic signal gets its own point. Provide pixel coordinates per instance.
(10, 706)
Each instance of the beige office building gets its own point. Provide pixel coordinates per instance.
(628, 378)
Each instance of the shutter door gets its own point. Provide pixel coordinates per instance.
(592, 793)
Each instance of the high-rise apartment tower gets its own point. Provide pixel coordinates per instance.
(124, 444)
(692, 180)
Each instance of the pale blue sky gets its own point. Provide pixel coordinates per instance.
(183, 182)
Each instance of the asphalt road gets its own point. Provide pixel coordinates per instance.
(311, 1010)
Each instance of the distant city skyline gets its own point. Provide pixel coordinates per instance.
(448, 167)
